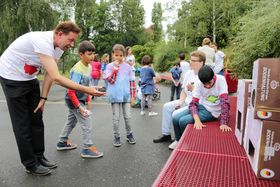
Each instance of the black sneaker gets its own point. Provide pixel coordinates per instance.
(130, 139)
(163, 138)
(60, 146)
(46, 163)
(38, 170)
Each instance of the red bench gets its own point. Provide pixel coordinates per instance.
(209, 158)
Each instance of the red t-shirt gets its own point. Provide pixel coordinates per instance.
(96, 69)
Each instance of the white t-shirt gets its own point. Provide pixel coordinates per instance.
(209, 53)
(209, 98)
(21, 61)
(130, 59)
(219, 61)
(185, 66)
(188, 85)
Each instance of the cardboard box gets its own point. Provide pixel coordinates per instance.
(266, 89)
(262, 145)
(243, 100)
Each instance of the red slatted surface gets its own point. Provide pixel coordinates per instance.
(209, 158)
(185, 169)
(210, 140)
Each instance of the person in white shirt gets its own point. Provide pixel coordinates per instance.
(219, 59)
(130, 59)
(185, 66)
(19, 65)
(209, 52)
(177, 106)
(210, 102)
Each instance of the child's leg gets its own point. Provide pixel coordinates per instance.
(150, 102)
(205, 115)
(68, 127)
(105, 83)
(95, 82)
(127, 117)
(143, 102)
(172, 91)
(116, 107)
(177, 120)
(178, 91)
(86, 127)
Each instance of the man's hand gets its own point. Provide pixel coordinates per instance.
(225, 128)
(40, 106)
(95, 92)
(198, 125)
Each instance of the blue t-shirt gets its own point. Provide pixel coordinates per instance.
(176, 73)
(119, 92)
(79, 74)
(147, 82)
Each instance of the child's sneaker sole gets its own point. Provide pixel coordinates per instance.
(90, 156)
(66, 148)
(117, 145)
(134, 142)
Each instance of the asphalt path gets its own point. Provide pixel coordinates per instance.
(126, 166)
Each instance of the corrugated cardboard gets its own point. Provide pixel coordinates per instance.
(262, 145)
(243, 99)
(266, 89)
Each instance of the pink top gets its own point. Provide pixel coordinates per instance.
(96, 70)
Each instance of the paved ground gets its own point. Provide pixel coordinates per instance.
(127, 166)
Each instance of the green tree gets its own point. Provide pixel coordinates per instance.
(21, 16)
(258, 37)
(157, 22)
(84, 12)
(104, 29)
(133, 21)
(200, 18)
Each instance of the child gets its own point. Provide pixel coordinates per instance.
(104, 61)
(147, 85)
(209, 102)
(176, 81)
(120, 92)
(171, 108)
(79, 105)
(96, 70)
(219, 59)
(184, 65)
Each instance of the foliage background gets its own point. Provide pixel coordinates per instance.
(246, 30)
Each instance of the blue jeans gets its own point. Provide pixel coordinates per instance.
(221, 72)
(182, 119)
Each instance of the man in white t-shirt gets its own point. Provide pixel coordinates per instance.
(210, 101)
(19, 65)
(177, 106)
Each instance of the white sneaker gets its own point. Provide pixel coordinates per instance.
(142, 113)
(173, 145)
(153, 114)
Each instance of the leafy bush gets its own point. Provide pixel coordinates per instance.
(258, 38)
(141, 50)
(166, 54)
